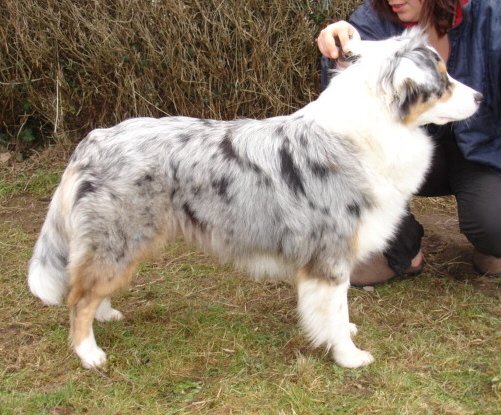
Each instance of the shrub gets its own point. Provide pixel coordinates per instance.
(72, 65)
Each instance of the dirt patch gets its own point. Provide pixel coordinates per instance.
(448, 253)
(25, 211)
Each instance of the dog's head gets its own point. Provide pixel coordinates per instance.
(412, 78)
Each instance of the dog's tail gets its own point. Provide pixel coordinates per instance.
(47, 277)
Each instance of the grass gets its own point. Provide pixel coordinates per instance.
(200, 338)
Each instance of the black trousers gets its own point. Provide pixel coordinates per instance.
(477, 189)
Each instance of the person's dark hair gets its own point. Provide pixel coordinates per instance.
(439, 14)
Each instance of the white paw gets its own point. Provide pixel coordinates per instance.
(353, 329)
(110, 315)
(90, 354)
(95, 359)
(353, 358)
(106, 313)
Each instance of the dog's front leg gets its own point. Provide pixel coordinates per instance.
(323, 311)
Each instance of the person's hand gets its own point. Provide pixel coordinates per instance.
(327, 39)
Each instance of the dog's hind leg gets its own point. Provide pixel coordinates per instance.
(323, 311)
(90, 288)
(82, 334)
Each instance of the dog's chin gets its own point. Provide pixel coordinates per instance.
(445, 120)
(439, 119)
(441, 116)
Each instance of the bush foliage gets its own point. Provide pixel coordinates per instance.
(71, 65)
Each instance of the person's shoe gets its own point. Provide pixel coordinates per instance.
(376, 270)
(487, 265)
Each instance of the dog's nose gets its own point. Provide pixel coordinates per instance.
(478, 97)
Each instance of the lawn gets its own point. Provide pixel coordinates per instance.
(201, 338)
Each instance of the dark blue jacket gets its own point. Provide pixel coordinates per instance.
(475, 60)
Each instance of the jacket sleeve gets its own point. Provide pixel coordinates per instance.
(371, 26)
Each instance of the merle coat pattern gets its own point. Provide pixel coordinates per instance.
(304, 196)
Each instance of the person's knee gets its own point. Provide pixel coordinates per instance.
(484, 234)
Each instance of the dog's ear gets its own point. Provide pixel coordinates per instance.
(412, 75)
(409, 98)
(407, 88)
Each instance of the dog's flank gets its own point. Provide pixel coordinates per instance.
(304, 196)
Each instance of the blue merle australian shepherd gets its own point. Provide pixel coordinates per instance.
(304, 196)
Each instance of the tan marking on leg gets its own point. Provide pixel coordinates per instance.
(81, 318)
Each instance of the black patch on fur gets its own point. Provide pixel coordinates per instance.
(265, 181)
(229, 154)
(303, 141)
(227, 148)
(280, 132)
(117, 250)
(184, 138)
(57, 260)
(354, 209)
(175, 179)
(319, 170)
(290, 173)
(206, 122)
(221, 187)
(412, 97)
(145, 180)
(192, 216)
(84, 189)
(255, 168)
(62, 261)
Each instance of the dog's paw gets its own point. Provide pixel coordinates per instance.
(353, 359)
(109, 315)
(353, 329)
(95, 360)
(106, 313)
(91, 355)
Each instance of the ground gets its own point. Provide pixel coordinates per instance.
(199, 338)
(447, 252)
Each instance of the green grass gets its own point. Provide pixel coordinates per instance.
(200, 338)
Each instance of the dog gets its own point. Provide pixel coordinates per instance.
(304, 196)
